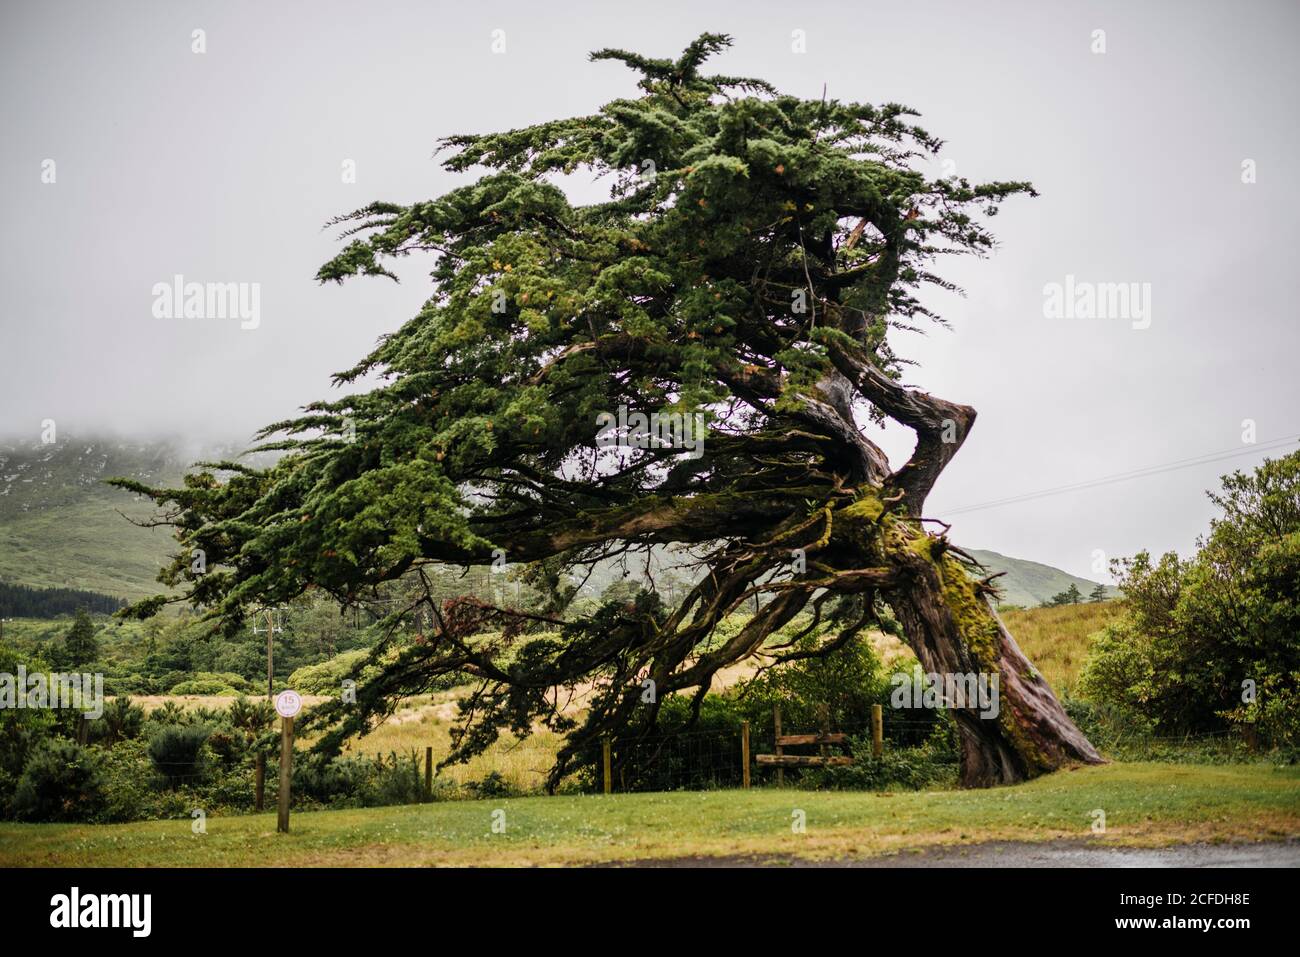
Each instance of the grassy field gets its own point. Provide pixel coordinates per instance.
(1056, 639)
(1145, 805)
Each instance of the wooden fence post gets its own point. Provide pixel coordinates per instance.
(744, 753)
(286, 767)
(428, 774)
(605, 756)
(877, 731)
(776, 726)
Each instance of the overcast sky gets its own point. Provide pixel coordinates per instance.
(223, 166)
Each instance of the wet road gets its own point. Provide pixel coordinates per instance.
(1025, 854)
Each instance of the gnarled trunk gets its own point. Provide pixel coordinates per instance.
(954, 631)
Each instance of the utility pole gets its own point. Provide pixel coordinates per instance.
(271, 629)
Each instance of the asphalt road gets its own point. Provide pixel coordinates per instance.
(1061, 853)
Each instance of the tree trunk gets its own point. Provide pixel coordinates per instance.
(953, 630)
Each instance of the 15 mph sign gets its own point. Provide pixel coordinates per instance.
(288, 703)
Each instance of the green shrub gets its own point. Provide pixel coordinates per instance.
(129, 782)
(399, 781)
(337, 781)
(63, 781)
(227, 746)
(120, 721)
(493, 785)
(204, 686)
(169, 713)
(127, 684)
(895, 769)
(1273, 716)
(177, 752)
(1197, 632)
(326, 677)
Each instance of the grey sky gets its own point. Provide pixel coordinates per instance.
(223, 167)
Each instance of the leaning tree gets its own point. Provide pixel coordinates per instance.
(751, 257)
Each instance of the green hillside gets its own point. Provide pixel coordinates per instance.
(1029, 584)
(60, 525)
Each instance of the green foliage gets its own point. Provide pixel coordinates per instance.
(1274, 715)
(914, 768)
(62, 781)
(121, 721)
(847, 682)
(177, 751)
(1072, 596)
(251, 717)
(170, 713)
(21, 601)
(129, 783)
(79, 645)
(203, 686)
(778, 239)
(1198, 634)
(493, 785)
(363, 781)
(326, 677)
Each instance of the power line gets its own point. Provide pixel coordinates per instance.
(1126, 476)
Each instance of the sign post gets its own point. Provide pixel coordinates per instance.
(287, 705)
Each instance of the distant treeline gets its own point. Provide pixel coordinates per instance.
(22, 601)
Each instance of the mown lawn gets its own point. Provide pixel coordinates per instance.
(1145, 804)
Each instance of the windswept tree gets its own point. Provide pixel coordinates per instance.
(749, 264)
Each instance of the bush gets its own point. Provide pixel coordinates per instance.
(1273, 718)
(900, 768)
(63, 781)
(177, 752)
(128, 783)
(169, 713)
(493, 785)
(326, 678)
(204, 686)
(1118, 673)
(121, 721)
(127, 684)
(1196, 632)
(340, 781)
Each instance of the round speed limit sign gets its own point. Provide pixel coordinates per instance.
(288, 703)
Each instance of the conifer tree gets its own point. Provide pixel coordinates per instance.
(79, 645)
(754, 255)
